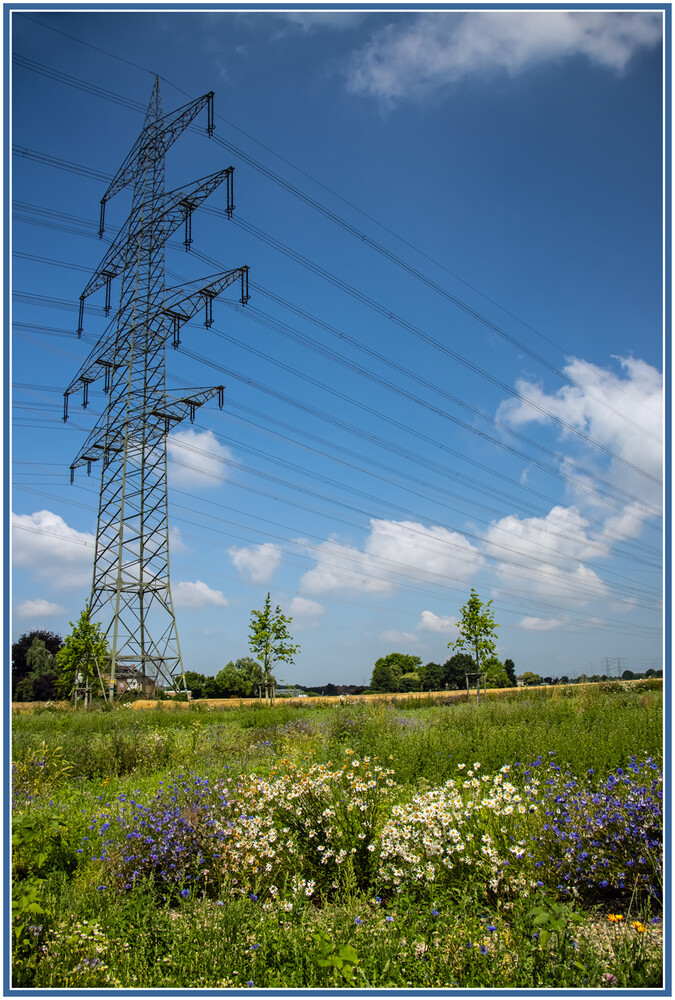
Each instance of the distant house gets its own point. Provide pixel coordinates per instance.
(291, 692)
(128, 680)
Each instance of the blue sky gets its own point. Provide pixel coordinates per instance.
(450, 371)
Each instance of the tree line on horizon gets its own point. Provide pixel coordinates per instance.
(35, 673)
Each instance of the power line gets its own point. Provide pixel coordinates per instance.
(341, 222)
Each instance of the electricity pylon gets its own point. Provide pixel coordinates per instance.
(131, 586)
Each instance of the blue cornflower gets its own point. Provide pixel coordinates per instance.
(434, 913)
(185, 893)
(357, 920)
(483, 950)
(491, 928)
(253, 897)
(389, 920)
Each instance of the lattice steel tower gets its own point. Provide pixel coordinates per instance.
(131, 589)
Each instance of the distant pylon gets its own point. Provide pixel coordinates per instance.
(131, 587)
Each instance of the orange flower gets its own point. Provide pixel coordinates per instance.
(614, 918)
(639, 926)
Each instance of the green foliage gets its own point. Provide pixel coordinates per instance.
(389, 670)
(530, 679)
(495, 673)
(431, 677)
(84, 655)
(28, 922)
(42, 768)
(240, 679)
(409, 682)
(477, 630)
(270, 641)
(455, 670)
(510, 668)
(329, 955)
(20, 668)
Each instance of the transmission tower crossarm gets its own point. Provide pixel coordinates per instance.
(175, 408)
(172, 212)
(168, 411)
(162, 133)
(181, 304)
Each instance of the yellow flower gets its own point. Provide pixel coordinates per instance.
(614, 918)
(639, 926)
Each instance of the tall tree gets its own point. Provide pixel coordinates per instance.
(495, 673)
(477, 630)
(271, 642)
(20, 669)
(455, 670)
(510, 668)
(40, 683)
(431, 677)
(83, 658)
(389, 670)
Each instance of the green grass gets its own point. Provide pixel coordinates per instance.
(73, 770)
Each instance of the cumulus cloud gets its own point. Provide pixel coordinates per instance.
(621, 415)
(541, 624)
(176, 543)
(302, 607)
(305, 613)
(38, 608)
(622, 412)
(256, 565)
(394, 551)
(414, 56)
(394, 636)
(429, 622)
(196, 458)
(46, 545)
(545, 556)
(196, 594)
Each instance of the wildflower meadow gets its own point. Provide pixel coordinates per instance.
(448, 844)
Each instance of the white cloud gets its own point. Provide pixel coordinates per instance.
(306, 614)
(302, 607)
(623, 413)
(411, 57)
(544, 557)
(429, 622)
(394, 552)
(53, 551)
(394, 636)
(176, 543)
(541, 624)
(196, 594)
(257, 565)
(196, 458)
(38, 608)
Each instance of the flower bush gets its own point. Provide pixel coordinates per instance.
(311, 832)
(174, 841)
(603, 841)
(465, 829)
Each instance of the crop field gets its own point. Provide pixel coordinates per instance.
(410, 843)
